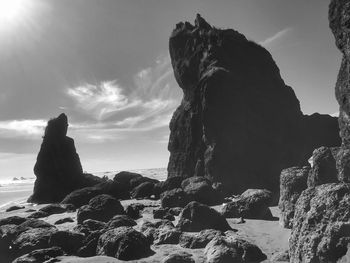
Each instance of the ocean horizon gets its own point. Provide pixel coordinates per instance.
(16, 192)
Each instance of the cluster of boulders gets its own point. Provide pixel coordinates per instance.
(104, 228)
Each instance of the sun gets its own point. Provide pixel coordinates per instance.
(11, 11)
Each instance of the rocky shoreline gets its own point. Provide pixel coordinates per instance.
(236, 132)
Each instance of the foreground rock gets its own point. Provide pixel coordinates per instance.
(196, 217)
(252, 204)
(223, 130)
(292, 182)
(40, 255)
(198, 240)
(123, 243)
(174, 198)
(321, 228)
(324, 168)
(58, 169)
(101, 208)
(182, 257)
(231, 249)
(82, 196)
(200, 189)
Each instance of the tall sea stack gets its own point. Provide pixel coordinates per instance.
(58, 169)
(238, 123)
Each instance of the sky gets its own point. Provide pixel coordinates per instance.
(105, 63)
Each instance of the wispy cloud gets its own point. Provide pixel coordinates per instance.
(276, 37)
(145, 106)
(100, 99)
(22, 128)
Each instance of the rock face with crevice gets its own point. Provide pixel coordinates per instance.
(58, 169)
(238, 123)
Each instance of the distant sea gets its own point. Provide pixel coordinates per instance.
(16, 192)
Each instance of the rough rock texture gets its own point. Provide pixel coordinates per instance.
(196, 217)
(120, 220)
(292, 182)
(238, 123)
(143, 190)
(252, 204)
(174, 198)
(69, 241)
(200, 189)
(181, 257)
(324, 168)
(339, 15)
(40, 255)
(321, 228)
(232, 249)
(198, 240)
(123, 243)
(58, 169)
(82, 196)
(32, 239)
(101, 208)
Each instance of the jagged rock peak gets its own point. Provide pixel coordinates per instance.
(238, 123)
(57, 127)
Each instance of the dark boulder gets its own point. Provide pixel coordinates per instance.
(230, 249)
(139, 180)
(69, 241)
(123, 243)
(120, 220)
(34, 223)
(198, 240)
(200, 189)
(234, 100)
(93, 225)
(64, 220)
(133, 210)
(174, 198)
(58, 169)
(180, 257)
(101, 208)
(252, 204)
(40, 255)
(32, 239)
(323, 168)
(38, 214)
(321, 228)
(144, 190)
(12, 220)
(160, 213)
(167, 235)
(196, 217)
(167, 185)
(151, 229)
(82, 196)
(15, 207)
(292, 182)
(124, 178)
(53, 209)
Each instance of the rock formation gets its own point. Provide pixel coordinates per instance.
(321, 223)
(58, 168)
(293, 182)
(321, 227)
(238, 123)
